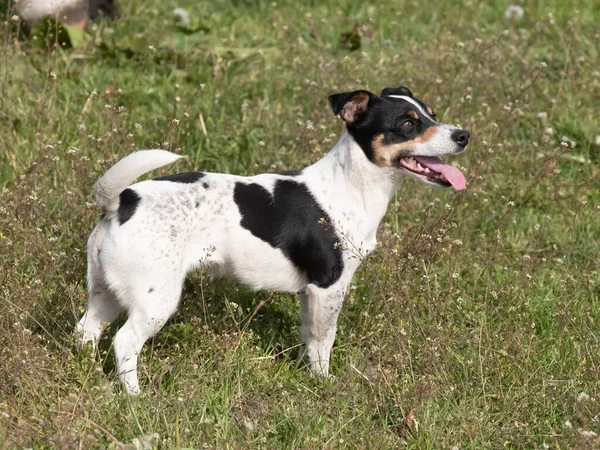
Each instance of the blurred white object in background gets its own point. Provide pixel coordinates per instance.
(514, 12)
(72, 12)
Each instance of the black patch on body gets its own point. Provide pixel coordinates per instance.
(151, 290)
(184, 177)
(205, 185)
(289, 220)
(128, 203)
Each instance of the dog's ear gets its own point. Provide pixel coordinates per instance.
(351, 106)
(400, 90)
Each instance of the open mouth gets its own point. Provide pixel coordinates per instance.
(435, 170)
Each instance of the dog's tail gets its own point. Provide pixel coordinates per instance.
(124, 172)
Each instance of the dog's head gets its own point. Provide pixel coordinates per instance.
(399, 131)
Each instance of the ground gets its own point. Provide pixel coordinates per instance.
(475, 324)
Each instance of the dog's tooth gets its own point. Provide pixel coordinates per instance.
(427, 170)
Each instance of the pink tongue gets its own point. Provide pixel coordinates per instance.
(452, 174)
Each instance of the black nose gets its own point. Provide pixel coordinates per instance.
(461, 137)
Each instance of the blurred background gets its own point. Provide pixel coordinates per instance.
(474, 325)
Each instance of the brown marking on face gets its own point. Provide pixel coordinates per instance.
(429, 111)
(429, 133)
(355, 107)
(413, 114)
(384, 155)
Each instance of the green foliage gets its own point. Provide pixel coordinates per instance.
(474, 325)
(48, 33)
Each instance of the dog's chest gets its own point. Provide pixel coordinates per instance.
(356, 230)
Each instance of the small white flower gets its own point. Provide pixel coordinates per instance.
(15, 18)
(549, 130)
(582, 397)
(588, 434)
(597, 140)
(514, 12)
(542, 115)
(543, 65)
(181, 16)
(568, 424)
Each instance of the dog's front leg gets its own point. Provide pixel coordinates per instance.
(319, 311)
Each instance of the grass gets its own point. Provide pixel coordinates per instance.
(475, 324)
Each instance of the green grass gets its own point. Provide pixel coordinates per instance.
(475, 324)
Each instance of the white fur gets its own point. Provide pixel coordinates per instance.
(139, 266)
(125, 172)
(33, 10)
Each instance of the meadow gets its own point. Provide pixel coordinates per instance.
(476, 322)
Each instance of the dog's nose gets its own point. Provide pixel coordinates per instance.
(461, 137)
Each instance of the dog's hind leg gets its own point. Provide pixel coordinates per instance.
(103, 306)
(148, 313)
(319, 311)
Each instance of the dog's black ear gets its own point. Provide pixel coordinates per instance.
(400, 90)
(351, 106)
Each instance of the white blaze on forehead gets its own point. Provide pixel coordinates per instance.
(419, 107)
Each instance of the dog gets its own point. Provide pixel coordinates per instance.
(304, 231)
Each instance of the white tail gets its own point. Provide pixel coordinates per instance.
(124, 172)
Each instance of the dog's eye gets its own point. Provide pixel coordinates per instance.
(407, 125)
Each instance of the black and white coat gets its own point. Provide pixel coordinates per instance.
(304, 231)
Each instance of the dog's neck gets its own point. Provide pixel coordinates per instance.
(347, 165)
(352, 186)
